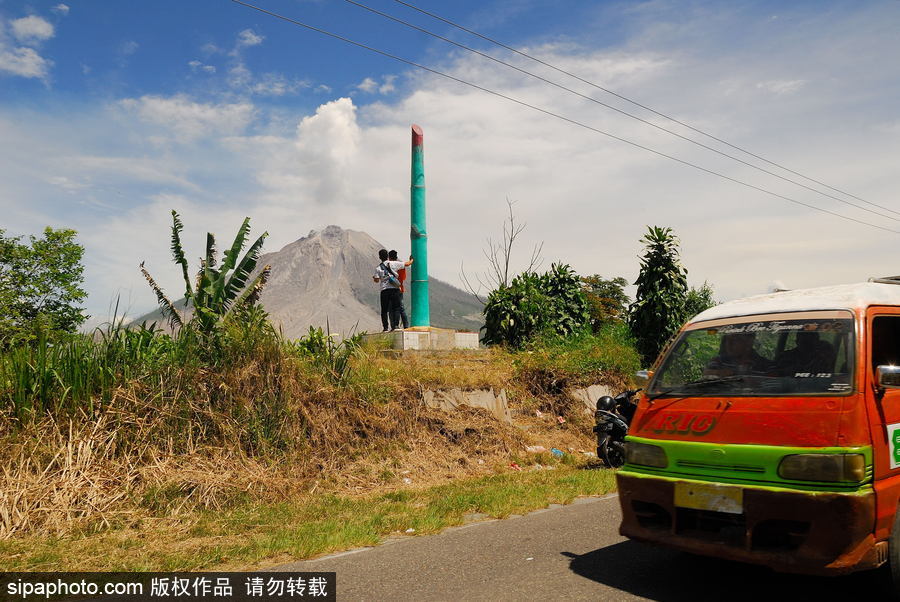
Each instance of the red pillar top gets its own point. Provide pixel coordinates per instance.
(417, 136)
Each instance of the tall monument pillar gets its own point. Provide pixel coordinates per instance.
(418, 234)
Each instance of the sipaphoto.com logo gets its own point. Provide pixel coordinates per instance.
(25, 589)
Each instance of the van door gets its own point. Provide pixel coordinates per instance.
(883, 347)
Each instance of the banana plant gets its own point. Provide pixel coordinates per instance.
(215, 291)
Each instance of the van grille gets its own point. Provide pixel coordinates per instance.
(730, 467)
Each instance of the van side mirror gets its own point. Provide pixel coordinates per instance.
(644, 375)
(888, 377)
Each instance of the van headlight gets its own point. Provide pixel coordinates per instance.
(645, 454)
(823, 467)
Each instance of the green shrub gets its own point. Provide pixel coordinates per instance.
(532, 305)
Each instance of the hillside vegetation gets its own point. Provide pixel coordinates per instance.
(135, 425)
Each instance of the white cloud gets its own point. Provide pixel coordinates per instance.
(61, 9)
(274, 84)
(196, 65)
(128, 48)
(32, 29)
(247, 38)
(268, 84)
(239, 76)
(24, 62)
(241, 79)
(68, 184)
(154, 171)
(367, 85)
(388, 86)
(186, 120)
(370, 85)
(316, 165)
(780, 87)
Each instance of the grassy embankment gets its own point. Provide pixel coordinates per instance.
(142, 451)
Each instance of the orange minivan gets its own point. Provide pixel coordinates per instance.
(769, 432)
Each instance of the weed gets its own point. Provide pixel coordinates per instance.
(253, 535)
(131, 425)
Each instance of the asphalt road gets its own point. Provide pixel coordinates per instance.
(564, 553)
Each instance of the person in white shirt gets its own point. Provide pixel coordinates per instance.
(401, 276)
(391, 299)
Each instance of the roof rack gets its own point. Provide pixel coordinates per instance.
(886, 280)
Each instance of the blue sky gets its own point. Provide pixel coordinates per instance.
(113, 113)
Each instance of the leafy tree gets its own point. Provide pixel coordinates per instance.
(535, 304)
(40, 285)
(698, 300)
(217, 291)
(658, 310)
(607, 301)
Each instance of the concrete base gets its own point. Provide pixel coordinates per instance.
(589, 396)
(422, 339)
(495, 403)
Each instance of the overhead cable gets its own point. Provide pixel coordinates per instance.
(616, 109)
(552, 114)
(643, 106)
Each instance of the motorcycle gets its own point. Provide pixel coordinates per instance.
(612, 417)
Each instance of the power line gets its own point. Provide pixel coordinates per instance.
(626, 113)
(556, 115)
(638, 104)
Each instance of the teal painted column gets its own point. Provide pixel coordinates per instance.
(418, 234)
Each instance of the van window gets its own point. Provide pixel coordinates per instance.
(885, 341)
(761, 358)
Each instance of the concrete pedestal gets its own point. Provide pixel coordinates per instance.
(434, 339)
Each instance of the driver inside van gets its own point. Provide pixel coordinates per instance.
(811, 355)
(737, 356)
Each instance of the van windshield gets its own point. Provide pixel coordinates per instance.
(764, 357)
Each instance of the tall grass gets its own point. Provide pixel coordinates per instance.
(63, 376)
(79, 373)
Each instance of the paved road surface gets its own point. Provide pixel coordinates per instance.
(564, 553)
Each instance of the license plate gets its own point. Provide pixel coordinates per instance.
(706, 496)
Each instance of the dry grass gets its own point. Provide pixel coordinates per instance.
(467, 370)
(80, 477)
(258, 535)
(158, 453)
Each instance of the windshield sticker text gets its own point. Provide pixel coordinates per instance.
(778, 326)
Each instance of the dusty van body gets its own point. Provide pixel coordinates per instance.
(767, 435)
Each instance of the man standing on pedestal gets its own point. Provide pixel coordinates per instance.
(391, 299)
(401, 276)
